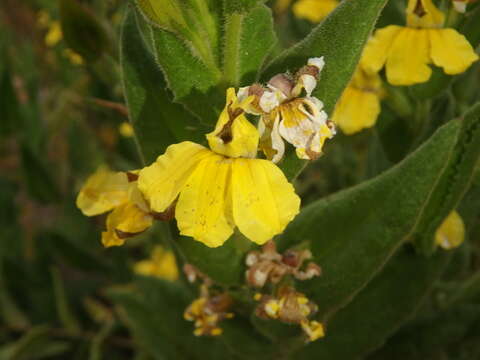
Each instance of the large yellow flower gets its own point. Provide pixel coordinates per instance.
(222, 188)
(406, 52)
(359, 105)
(314, 10)
(105, 191)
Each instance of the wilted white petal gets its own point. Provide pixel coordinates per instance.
(460, 6)
(318, 62)
(269, 101)
(309, 83)
(277, 142)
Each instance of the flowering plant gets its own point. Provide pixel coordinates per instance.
(289, 179)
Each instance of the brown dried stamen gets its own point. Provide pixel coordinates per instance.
(419, 9)
(226, 133)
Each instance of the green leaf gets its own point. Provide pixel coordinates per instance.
(64, 310)
(38, 178)
(224, 264)
(157, 121)
(381, 214)
(385, 304)
(154, 310)
(34, 344)
(10, 312)
(82, 31)
(192, 81)
(454, 182)
(340, 39)
(240, 6)
(243, 53)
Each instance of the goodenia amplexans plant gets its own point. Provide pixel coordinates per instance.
(349, 269)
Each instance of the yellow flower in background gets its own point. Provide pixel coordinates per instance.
(54, 34)
(359, 105)
(106, 190)
(162, 264)
(451, 233)
(73, 57)
(287, 115)
(103, 191)
(313, 10)
(406, 52)
(222, 188)
(126, 129)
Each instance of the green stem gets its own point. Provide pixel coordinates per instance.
(232, 47)
(207, 21)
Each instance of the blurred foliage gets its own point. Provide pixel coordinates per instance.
(68, 71)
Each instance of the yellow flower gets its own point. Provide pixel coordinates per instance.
(73, 57)
(126, 129)
(451, 233)
(314, 10)
(105, 191)
(285, 115)
(54, 34)
(406, 52)
(222, 188)
(359, 105)
(313, 329)
(162, 264)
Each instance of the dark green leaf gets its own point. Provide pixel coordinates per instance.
(381, 214)
(82, 30)
(223, 264)
(157, 121)
(193, 82)
(455, 180)
(38, 178)
(154, 311)
(385, 304)
(244, 52)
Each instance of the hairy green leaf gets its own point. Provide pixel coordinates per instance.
(244, 53)
(157, 121)
(385, 304)
(381, 213)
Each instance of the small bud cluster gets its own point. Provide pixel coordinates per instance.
(208, 310)
(285, 303)
(270, 266)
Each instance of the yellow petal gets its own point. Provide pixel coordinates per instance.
(451, 233)
(263, 201)
(125, 221)
(424, 14)
(451, 51)
(234, 135)
(162, 181)
(313, 10)
(356, 110)
(378, 47)
(408, 59)
(201, 209)
(162, 264)
(102, 191)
